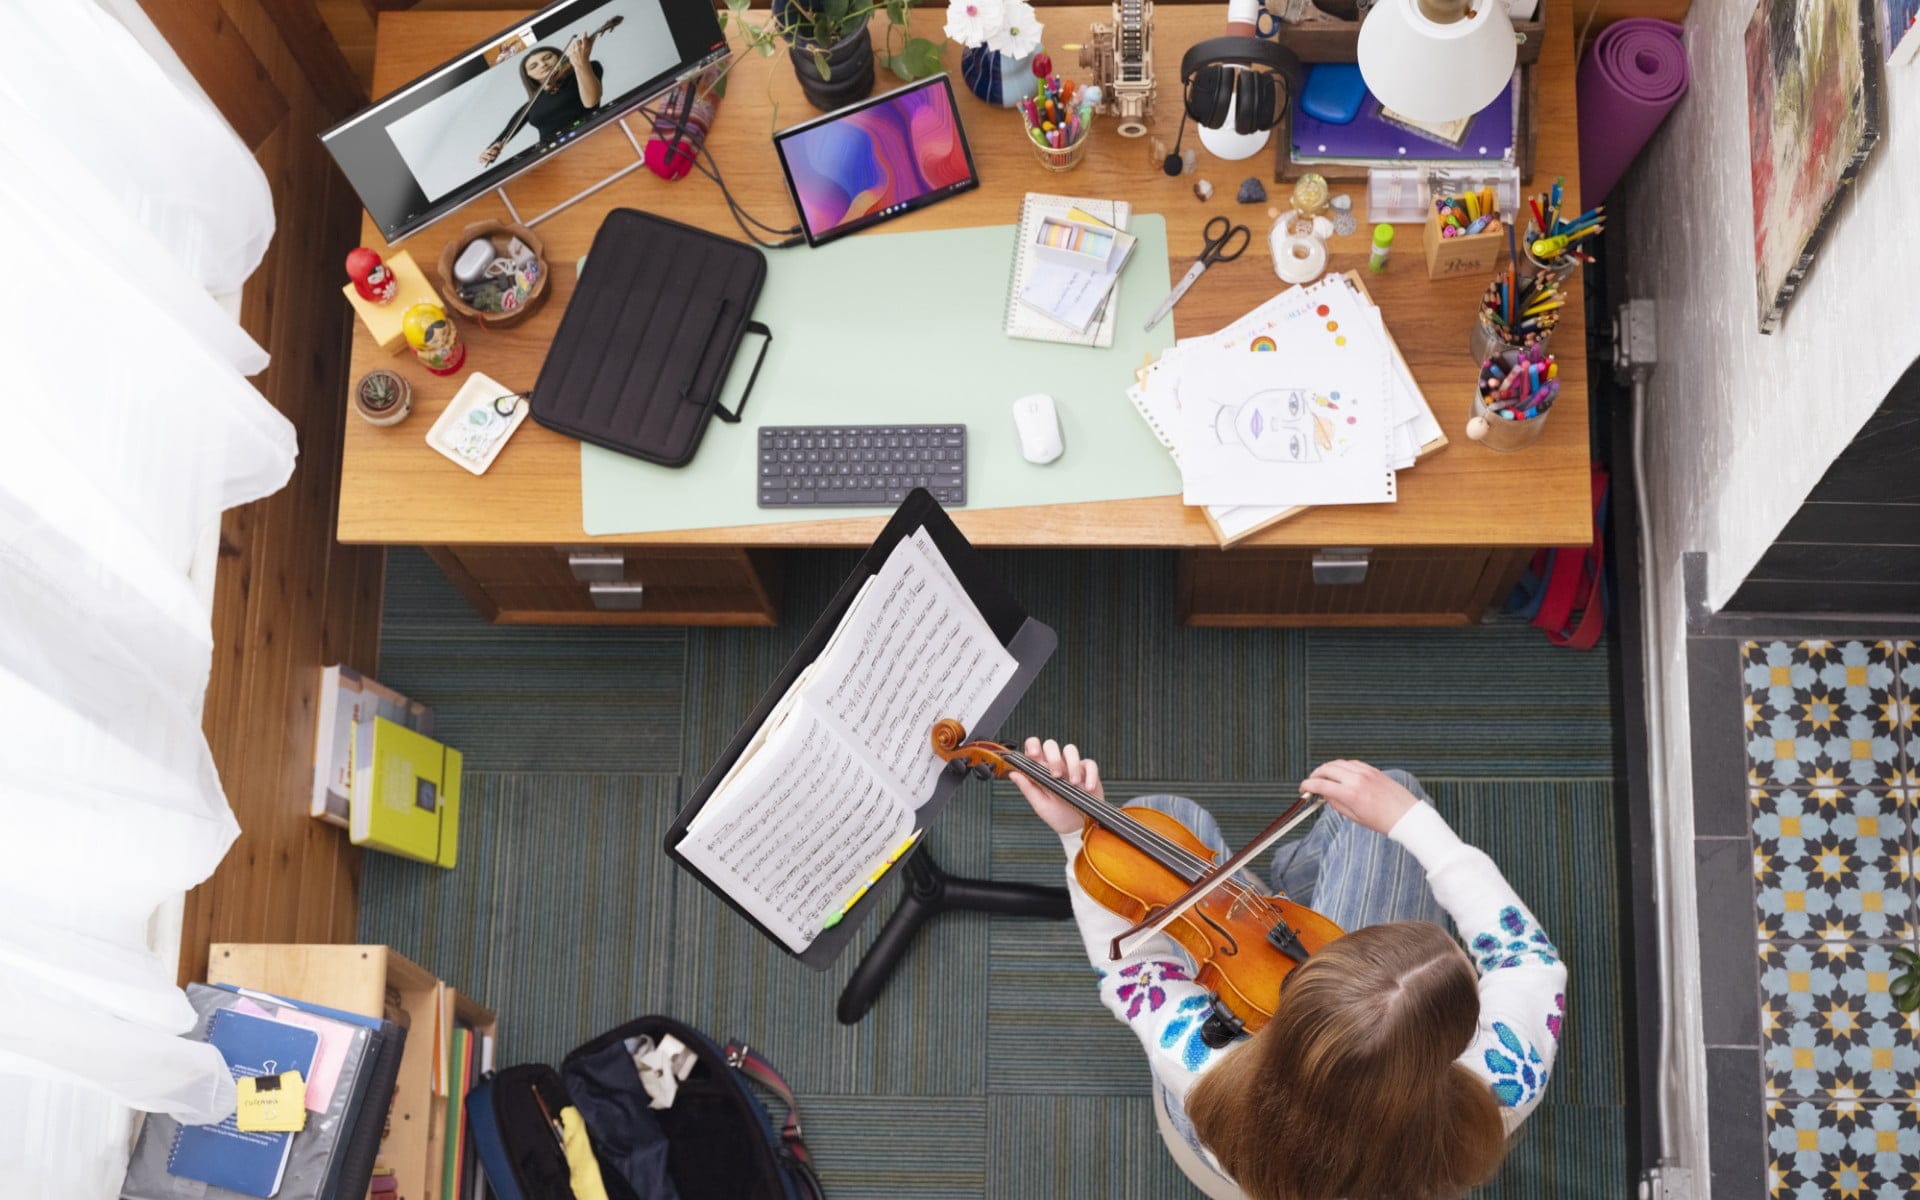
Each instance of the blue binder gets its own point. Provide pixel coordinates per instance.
(250, 1163)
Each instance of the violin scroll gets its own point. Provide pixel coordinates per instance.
(951, 744)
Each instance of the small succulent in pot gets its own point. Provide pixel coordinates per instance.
(383, 397)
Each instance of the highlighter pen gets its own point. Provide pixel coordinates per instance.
(866, 887)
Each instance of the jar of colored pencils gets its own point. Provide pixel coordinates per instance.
(1058, 118)
(1554, 239)
(1514, 314)
(1517, 390)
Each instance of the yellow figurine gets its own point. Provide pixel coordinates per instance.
(433, 339)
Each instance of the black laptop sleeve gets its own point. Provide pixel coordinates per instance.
(647, 341)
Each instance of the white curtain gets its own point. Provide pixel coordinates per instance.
(127, 205)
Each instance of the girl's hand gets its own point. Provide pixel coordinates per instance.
(1083, 773)
(490, 153)
(578, 53)
(1363, 794)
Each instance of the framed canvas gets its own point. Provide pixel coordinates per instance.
(1897, 36)
(1813, 116)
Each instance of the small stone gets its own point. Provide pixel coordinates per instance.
(1251, 192)
(1202, 190)
(1345, 224)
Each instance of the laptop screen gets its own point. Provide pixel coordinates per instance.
(892, 154)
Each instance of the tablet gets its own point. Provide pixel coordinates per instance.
(861, 165)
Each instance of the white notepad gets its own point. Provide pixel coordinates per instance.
(1023, 321)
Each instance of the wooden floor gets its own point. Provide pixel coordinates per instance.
(288, 600)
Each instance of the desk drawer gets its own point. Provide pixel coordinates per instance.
(613, 585)
(1258, 587)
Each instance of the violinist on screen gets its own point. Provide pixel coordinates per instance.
(1396, 1064)
(563, 89)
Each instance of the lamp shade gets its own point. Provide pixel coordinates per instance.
(1436, 70)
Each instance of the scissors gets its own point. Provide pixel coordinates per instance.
(1215, 251)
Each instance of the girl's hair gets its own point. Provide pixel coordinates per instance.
(529, 82)
(1351, 1090)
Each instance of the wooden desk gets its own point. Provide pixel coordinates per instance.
(1459, 534)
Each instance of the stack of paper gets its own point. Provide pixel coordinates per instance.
(1303, 401)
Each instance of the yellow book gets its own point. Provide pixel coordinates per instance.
(406, 793)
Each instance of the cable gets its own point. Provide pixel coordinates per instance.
(790, 236)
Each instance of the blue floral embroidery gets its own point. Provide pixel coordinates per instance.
(1524, 940)
(1518, 1073)
(1182, 1034)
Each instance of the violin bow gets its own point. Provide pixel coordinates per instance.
(1158, 919)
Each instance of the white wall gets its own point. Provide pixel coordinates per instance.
(1741, 426)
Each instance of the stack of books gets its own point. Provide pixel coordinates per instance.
(348, 1063)
(378, 774)
(1303, 401)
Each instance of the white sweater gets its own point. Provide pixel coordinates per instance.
(1522, 981)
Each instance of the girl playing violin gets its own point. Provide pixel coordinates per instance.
(563, 89)
(1396, 1064)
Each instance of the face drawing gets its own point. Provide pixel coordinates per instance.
(1286, 425)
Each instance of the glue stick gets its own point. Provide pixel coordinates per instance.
(1382, 243)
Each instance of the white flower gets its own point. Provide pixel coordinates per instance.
(1019, 35)
(971, 22)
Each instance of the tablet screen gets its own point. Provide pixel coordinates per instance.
(892, 154)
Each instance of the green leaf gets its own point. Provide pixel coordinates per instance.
(1905, 992)
(765, 48)
(1906, 957)
(897, 10)
(821, 65)
(920, 58)
(833, 14)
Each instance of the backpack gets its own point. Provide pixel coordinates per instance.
(716, 1142)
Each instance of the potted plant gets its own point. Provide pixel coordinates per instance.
(382, 397)
(832, 48)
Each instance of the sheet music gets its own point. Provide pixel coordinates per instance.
(914, 651)
(828, 786)
(799, 830)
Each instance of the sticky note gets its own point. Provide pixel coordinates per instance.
(271, 1103)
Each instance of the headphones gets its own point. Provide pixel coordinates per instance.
(1225, 72)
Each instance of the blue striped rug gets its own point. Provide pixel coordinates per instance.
(988, 1068)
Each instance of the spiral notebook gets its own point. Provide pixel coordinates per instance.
(1025, 322)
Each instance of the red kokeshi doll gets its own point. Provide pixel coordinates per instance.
(373, 279)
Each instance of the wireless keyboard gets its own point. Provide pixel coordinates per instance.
(807, 466)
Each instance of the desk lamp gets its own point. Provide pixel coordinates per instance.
(1436, 60)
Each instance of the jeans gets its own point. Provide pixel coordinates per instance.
(1346, 872)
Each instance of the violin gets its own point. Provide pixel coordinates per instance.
(1149, 868)
(565, 70)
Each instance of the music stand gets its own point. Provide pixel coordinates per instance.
(930, 891)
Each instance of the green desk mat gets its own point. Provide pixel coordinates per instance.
(906, 327)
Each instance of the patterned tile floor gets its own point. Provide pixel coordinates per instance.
(1832, 763)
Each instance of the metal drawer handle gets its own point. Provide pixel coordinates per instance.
(617, 597)
(590, 565)
(1341, 565)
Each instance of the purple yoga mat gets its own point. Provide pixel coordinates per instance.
(1630, 80)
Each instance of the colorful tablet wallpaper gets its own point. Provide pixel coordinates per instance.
(869, 161)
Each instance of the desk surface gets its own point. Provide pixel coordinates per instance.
(394, 489)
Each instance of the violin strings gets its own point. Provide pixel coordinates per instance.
(1241, 891)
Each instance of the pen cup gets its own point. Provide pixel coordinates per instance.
(1484, 340)
(1558, 267)
(1497, 433)
(1065, 158)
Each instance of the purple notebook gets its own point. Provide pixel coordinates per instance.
(1371, 138)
